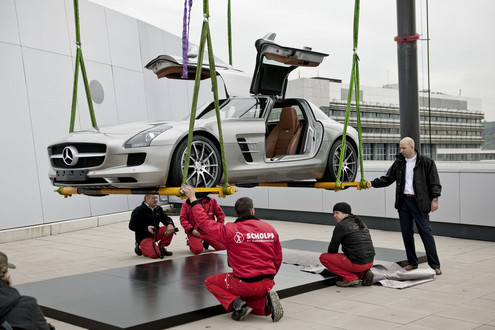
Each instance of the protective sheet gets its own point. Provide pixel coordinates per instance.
(388, 274)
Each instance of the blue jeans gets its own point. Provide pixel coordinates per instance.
(408, 212)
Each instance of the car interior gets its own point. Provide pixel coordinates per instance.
(285, 131)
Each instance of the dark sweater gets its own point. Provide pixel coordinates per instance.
(21, 312)
(356, 243)
(143, 216)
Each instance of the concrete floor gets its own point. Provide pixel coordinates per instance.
(462, 298)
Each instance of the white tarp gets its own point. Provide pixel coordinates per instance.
(387, 273)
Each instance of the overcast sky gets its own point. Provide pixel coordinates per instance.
(461, 40)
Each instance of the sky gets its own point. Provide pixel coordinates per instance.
(460, 31)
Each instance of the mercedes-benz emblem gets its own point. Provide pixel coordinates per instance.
(70, 155)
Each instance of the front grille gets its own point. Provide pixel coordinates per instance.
(81, 147)
(89, 155)
(82, 163)
(136, 159)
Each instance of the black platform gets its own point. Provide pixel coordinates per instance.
(163, 294)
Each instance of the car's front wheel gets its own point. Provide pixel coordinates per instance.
(205, 165)
(349, 164)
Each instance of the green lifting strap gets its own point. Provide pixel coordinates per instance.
(80, 62)
(353, 86)
(205, 38)
(229, 32)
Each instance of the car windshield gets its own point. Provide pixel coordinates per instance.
(249, 107)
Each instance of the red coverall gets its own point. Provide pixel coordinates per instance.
(254, 254)
(189, 224)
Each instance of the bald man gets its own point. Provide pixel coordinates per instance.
(416, 195)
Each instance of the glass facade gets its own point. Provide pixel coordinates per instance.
(447, 129)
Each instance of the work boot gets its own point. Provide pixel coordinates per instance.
(272, 304)
(164, 251)
(347, 283)
(241, 309)
(137, 249)
(367, 278)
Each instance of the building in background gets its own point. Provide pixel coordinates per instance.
(451, 126)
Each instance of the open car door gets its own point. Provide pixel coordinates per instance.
(236, 82)
(275, 62)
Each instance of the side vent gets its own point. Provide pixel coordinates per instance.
(245, 149)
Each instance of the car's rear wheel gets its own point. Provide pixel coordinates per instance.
(349, 165)
(205, 165)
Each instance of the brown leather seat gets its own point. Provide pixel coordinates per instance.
(284, 137)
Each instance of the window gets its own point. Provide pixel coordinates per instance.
(249, 107)
(426, 150)
(367, 151)
(393, 149)
(380, 151)
(274, 116)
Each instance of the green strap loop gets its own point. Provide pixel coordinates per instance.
(80, 62)
(194, 104)
(205, 38)
(213, 75)
(353, 87)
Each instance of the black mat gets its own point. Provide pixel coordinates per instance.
(162, 294)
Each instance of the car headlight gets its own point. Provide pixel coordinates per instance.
(144, 138)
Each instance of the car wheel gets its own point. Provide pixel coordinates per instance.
(349, 165)
(205, 165)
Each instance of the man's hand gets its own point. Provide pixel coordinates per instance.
(434, 205)
(189, 192)
(196, 233)
(151, 229)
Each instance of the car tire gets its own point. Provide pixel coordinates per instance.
(204, 172)
(349, 166)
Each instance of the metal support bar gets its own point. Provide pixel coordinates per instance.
(319, 185)
(221, 191)
(170, 191)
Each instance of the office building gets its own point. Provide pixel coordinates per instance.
(451, 126)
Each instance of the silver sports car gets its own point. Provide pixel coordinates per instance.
(267, 137)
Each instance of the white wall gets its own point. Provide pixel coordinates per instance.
(37, 51)
(466, 196)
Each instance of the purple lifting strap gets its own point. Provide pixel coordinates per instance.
(185, 35)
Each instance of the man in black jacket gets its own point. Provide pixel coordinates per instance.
(151, 239)
(416, 195)
(16, 311)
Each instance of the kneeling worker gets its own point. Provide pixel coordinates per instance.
(151, 239)
(197, 239)
(253, 252)
(356, 261)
